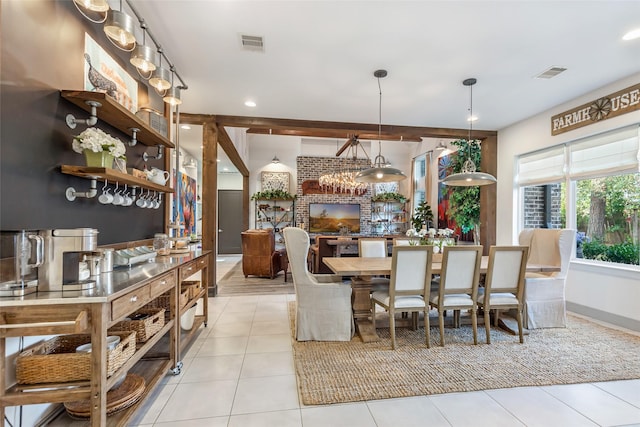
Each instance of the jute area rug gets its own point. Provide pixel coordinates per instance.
(234, 283)
(338, 372)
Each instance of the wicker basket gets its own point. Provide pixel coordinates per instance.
(163, 300)
(56, 360)
(193, 286)
(145, 328)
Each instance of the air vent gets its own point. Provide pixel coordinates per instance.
(551, 72)
(254, 43)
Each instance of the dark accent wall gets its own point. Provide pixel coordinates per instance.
(42, 52)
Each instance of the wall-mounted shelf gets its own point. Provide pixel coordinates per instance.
(117, 116)
(113, 175)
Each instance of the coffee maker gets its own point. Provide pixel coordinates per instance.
(63, 267)
(21, 253)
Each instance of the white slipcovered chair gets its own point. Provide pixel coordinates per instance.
(544, 293)
(323, 302)
(409, 286)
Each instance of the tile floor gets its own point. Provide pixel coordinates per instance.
(239, 372)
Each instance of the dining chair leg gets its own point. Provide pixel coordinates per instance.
(392, 328)
(456, 318)
(519, 318)
(441, 322)
(487, 325)
(496, 317)
(414, 320)
(474, 324)
(427, 332)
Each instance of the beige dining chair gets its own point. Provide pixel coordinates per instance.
(408, 288)
(504, 285)
(374, 247)
(401, 241)
(323, 302)
(458, 287)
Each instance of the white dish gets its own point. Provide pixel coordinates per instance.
(112, 342)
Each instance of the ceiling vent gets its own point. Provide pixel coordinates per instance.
(551, 72)
(253, 43)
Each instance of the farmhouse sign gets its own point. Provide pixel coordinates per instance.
(616, 104)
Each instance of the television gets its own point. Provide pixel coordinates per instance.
(332, 217)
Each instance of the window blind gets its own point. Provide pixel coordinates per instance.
(541, 167)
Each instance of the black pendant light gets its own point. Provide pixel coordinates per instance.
(469, 177)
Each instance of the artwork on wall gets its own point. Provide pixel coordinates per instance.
(103, 74)
(187, 204)
(445, 166)
(275, 181)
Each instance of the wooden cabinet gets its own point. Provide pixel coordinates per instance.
(52, 314)
(388, 217)
(276, 214)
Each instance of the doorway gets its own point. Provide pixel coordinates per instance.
(229, 221)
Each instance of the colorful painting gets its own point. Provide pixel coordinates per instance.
(103, 74)
(187, 204)
(444, 169)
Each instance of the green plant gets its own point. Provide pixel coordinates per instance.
(272, 194)
(623, 253)
(464, 202)
(389, 196)
(422, 216)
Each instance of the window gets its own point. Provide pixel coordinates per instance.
(419, 180)
(592, 185)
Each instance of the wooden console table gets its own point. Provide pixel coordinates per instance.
(116, 295)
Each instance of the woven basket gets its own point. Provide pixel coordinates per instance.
(145, 328)
(163, 300)
(56, 360)
(119, 398)
(193, 286)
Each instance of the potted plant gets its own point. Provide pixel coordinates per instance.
(422, 216)
(273, 195)
(391, 196)
(99, 147)
(464, 202)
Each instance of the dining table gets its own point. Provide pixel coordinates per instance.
(361, 269)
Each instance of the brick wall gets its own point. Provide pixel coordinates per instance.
(310, 168)
(534, 206)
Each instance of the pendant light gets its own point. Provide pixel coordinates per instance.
(89, 8)
(119, 28)
(172, 95)
(380, 172)
(160, 77)
(469, 177)
(143, 57)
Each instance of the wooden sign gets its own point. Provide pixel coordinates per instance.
(312, 186)
(618, 103)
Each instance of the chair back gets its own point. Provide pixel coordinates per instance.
(549, 247)
(506, 269)
(410, 270)
(296, 241)
(401, 241)
(460, 270)
(372, 247)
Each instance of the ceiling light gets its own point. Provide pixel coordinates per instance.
(469, 177)
(190, 164)
(93, 7)
(441, 146)
(218, 160)
(472, 118)
(250, 103)
(119, 28)
(186, 127)
(172, 96)
(143, 57)
(380, 172)
(275, 160)
(632, 35)
(160, 78)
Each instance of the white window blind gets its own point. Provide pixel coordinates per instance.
(605, 154)
(541, 167)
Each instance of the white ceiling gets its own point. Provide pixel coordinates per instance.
(319, 56)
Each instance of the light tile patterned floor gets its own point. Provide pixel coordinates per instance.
(239, 372)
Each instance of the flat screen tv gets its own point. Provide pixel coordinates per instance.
(331, 217)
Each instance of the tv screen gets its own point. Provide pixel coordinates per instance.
(331, 217)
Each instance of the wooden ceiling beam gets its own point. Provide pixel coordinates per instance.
(331, 133)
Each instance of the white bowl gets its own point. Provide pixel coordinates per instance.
(112, 342)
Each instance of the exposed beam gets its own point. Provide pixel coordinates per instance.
(230, 149)
(331, 133)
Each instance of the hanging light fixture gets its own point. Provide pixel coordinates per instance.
(160, 77)
(88, 8)
(342, 176)
(143, 57)
(172, 96)
(380, 171)
(119, 28)
(469, 176)
(275, 159)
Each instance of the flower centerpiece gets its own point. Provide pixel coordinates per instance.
(416, 237)
(99, 147)
(440, 238)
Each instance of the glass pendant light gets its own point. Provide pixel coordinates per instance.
(381, 171)
(143, 57)
(469, 177)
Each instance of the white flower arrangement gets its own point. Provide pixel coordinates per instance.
(415, 236)
(96, 140)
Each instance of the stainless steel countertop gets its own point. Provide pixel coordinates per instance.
(109, 285)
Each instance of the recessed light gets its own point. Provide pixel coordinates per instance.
(187, 127)
(631, 35)
(250, 103)
(225, 169)
(218, 160)
(472, 118)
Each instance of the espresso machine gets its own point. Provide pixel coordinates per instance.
(21, 253)
(64, 267)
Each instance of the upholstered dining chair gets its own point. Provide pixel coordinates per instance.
(544, 294)
(504, 285)
(374, 247)
(323, 302)
(458, 287)
(408, 288)
(401, 241)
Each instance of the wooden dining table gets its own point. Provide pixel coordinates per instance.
(362, 269)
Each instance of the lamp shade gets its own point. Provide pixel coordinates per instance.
(469, 179)
(144, 58)
(172, 96)
(93, 5)
(160, 78)
(119, 27)
(380, 174)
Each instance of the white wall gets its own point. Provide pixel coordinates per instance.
(587, 283)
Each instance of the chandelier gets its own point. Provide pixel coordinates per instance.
(342, 177)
